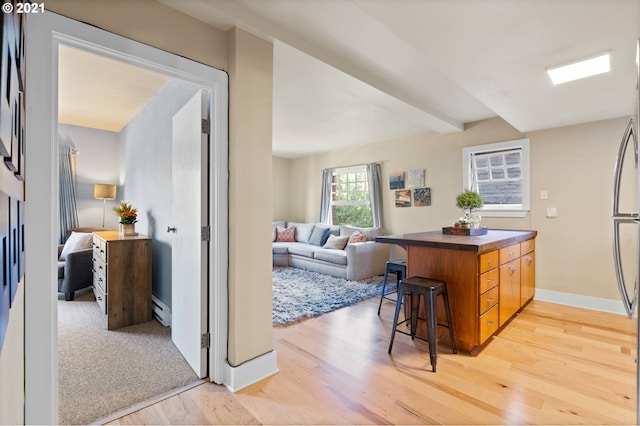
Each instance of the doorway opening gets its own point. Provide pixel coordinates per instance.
(46, 33)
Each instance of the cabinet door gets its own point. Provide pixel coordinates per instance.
(509, 290)
(527, 277)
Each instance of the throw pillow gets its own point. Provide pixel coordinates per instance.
(285, 235)
(335, 242)
(77, 241)
(357, 237)
(319, 233)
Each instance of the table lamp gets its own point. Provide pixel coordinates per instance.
(104, 192)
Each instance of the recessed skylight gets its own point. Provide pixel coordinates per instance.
(581, 69)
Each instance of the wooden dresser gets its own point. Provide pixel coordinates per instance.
(489, 277)
(122, 277)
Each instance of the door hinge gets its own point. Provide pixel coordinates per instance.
(205, 126)
(205, 341)
(205, 233)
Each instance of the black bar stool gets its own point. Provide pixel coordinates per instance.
(398, 267)
(430, 290)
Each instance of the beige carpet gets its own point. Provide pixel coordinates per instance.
(101, 372)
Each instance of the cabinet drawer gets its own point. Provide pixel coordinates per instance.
(507, 254)
(488, 323)
(527, 246)
(99, 267)
(489, 280)
(100, 298)
(489, 299)
(488, 261)
(101, 281)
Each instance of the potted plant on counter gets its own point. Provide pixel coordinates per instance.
(468, 201)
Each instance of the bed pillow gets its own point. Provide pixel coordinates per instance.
(285, 235)
(335, 242)
(77, 241)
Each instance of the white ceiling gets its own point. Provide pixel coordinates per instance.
(349, 72)
(99, 92)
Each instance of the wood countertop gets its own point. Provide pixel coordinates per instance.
(492, 240)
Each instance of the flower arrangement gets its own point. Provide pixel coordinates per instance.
(128, 214)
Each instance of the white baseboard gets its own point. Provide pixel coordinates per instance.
(251, 372)
(586, 302)
(161, 311)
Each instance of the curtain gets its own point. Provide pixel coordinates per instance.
(375, 193)
(325, 196)
(68, 206)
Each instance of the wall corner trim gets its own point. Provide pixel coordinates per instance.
(250, 372)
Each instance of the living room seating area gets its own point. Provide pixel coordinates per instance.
(347, 252)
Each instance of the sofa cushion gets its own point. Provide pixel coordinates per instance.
(77, 241)
(319, 235)
(284, 235)
(303, 231)
(281, 248)
(331, 255)
(335, 242)
(357, 237)
(301, 249)
(371, 233)
(274, 225)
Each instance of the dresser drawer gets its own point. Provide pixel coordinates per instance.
(99, 267)
(488, 323)
(489, 299)
(488, 261)
(507, 254)
(489, 280)
(527, 246)
(101, 298)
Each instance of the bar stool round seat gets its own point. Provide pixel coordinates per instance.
(398, 267)
(429, 290)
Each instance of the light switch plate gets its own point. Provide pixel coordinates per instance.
(552, 212)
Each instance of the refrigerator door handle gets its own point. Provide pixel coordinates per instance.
(629, 136)
(629, 303)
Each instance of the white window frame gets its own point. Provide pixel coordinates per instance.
(347, 170)
(506, 210)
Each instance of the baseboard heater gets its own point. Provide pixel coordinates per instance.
(161, 311)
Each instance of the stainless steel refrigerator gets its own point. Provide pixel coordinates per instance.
(626, 217)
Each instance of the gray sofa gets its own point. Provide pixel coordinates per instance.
(357, 261)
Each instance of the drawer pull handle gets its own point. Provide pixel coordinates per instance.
(489, 280)
(490, 300)
(510, 253)
(490, 323)
(490, 261)
(512, 268)
(529, 259)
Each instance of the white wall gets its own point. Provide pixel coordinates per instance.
(97, 161)
(146, 174)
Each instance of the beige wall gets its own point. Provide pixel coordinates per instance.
(12, 365)
(574, 164)
(250, 196)
(152, 23)
(281, 173)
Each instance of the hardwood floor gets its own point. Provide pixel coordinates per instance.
(552, 365)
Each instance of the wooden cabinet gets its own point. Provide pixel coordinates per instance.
(489, 278)
(122, 278)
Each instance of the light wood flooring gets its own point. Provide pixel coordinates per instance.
(551, 365)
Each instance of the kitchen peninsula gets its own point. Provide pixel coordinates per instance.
(489, 277)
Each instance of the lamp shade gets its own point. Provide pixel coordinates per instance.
(104, 192)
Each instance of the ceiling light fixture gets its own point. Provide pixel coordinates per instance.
(583, 68)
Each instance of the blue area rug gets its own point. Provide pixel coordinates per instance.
(299, 294)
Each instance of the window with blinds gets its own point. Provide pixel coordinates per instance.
(500, 174)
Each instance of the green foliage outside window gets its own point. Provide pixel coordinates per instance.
(356, 215)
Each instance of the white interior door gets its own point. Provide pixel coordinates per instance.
(189, 251)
